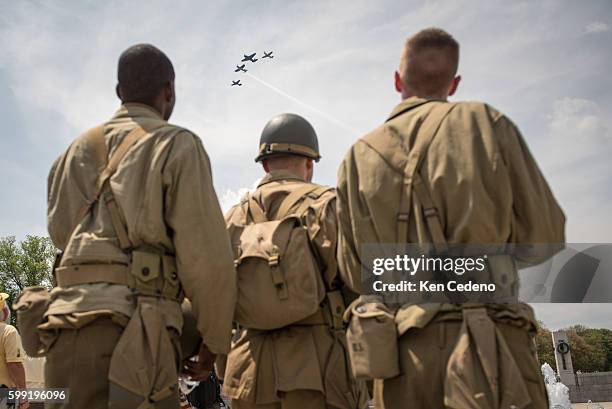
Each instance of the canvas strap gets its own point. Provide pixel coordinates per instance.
(391, 148)
(292, 198)
(254, 210)
(92, 273)
(96, 141)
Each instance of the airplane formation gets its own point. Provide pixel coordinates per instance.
(250, 58)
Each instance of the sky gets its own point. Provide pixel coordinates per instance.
(544, 64)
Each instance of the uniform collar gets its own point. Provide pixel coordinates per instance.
(136, 110)
(407, 105)
(276, 175)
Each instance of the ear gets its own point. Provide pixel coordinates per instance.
(398, 82)
(265, 165)
(169, 91)
(454, 85)
(309, 164)
(118, 92)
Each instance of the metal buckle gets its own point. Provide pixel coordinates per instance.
(273, 261)
(430, 212)
(403, 217)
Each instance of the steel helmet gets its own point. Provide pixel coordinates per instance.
(288, 134)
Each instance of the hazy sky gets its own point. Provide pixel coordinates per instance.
(545, 64)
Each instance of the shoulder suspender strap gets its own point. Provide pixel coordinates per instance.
(391, 148)
(104, 188)
(255, 210)
(95, 139)
(292, 198)
(315, 194)
(118, 155)
(430, 213)
(412, 179)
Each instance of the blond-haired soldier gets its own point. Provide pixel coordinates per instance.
(289, 347)
(444, 174)
(133, 208)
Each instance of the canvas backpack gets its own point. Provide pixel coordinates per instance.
(279, 277)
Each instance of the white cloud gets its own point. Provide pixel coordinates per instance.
(597, 27)
(579, 121)
(230, 197)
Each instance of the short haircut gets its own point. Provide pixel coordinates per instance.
(143, 71)
(284, 160)
(429, 61)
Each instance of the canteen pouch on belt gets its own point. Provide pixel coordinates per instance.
(372, 340)
(143, 370)
(31, 306)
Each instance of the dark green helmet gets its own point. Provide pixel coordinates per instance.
(288, 134)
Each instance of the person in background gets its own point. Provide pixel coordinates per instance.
(12, 372)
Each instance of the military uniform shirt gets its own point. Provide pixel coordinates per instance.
(164, 190)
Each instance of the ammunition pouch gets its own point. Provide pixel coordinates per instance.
(372, 339)
(155, 274)
(31, 306)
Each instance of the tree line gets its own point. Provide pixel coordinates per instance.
(591, 348)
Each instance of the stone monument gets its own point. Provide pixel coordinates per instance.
(563, 357)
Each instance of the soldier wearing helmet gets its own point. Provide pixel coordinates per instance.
(303, 364)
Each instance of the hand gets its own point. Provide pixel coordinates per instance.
(200, 369)
(24, 405)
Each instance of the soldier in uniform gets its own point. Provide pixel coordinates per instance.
(476, 183)
(302, 365)
(132, 206)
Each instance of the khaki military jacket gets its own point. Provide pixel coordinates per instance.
(163, 187)
(263, 363)
(482, 178)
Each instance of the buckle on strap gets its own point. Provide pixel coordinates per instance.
(430, 212)
(273, 260)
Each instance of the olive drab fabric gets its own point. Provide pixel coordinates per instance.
(159, 192)
(273, 369)
(31, 306)
(147, 346)
(372, 339)
(275, 262)
(484, 187)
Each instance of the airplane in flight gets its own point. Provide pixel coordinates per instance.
(250, 58)
(268, 55)
(236, 83)
(240, 68)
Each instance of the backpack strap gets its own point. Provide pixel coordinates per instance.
(391, 148)
(254, 210)
(307, 194)
(311, 197)
(292, 198)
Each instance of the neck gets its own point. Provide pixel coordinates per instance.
(409, 94)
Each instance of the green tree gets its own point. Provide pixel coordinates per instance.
(544, 345)
(588, 352)
(24, 264)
